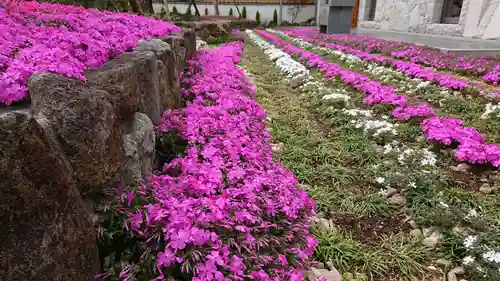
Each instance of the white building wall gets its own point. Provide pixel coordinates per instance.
(266, 11)
(478, 18)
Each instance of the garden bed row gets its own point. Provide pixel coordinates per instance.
(448, 131)
(488, 68)
(224, 209)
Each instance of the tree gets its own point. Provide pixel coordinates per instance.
(257, 17)
(244, 12)
(275, 17)
(206, 11)
(174, 10)
(295, 8)
(231, 11)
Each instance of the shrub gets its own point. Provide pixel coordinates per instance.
(189, 13)
(225, 208)
(275, 17)
(206, 11)
(174, 10)
(243, 24)
(231, 11)
(244, 12)
(257, 17)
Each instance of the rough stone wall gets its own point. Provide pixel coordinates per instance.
(478, 19)
(75, 139)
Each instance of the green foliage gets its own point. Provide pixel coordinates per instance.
(231, 11)
(174, 10)
(189, 12)
(275, 17)
(257, 17)
(206, 11)
(244, 12)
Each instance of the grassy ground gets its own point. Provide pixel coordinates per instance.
(360, 230)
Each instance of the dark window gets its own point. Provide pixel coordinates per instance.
(451, 11)
(371, 9)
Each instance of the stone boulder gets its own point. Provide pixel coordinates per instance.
(46, 232)
(139, 145)
(86, 123)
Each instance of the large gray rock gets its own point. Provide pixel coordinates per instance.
(46, 233)
(86, 124)
(190, 42)
(159, 47)
(139, 145)
(168, 69)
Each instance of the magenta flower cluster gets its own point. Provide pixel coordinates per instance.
(472, 147)
(226, 210)
(410, 69)
(40, 37)
(418, 54)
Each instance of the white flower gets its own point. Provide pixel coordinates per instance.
(468, 260)
(443, 205)
(491, 110)
(296, 72)
(472, 214)
(428, 158)
(469, 241)
(412, 185)
(382, 192)
(380, 180)
(336, 97)
(492, 256)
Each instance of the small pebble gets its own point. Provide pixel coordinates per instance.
(463, 167)
(416, 233)
(443, 262)
(398, 199)
(485, 188)
(413, 224)
(391, 191)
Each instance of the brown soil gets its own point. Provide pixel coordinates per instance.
(371, 229)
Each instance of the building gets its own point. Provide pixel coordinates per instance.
(461, 18)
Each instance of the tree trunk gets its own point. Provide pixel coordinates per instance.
(165, 5)
(217, 7)
(147, 6)
(88, 3)
(136, 8)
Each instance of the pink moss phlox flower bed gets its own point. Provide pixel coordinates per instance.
(471, 148)
(226, 206)
(480, 66)
(39, 37)
(410, 69)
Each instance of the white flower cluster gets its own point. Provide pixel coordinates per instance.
(338, 95)
(200, 44)
(377, 128)
(491, 111)
(383, 73)
(248, 75)
(295, 71)
(407, 155)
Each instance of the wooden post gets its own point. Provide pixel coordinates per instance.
(355, 11)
